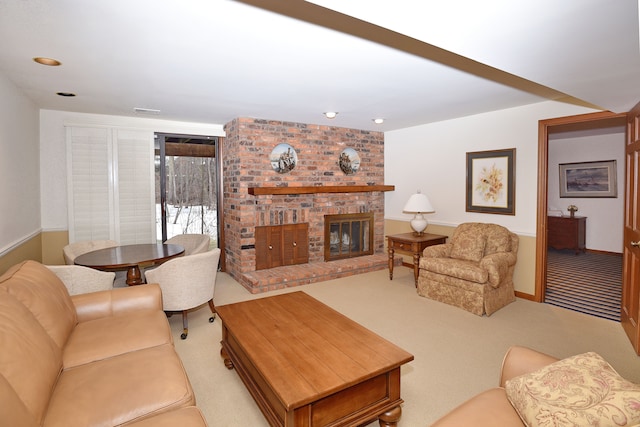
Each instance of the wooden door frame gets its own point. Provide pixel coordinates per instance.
(545, 127)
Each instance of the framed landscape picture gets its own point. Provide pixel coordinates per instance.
(588, 179)
(491, 181)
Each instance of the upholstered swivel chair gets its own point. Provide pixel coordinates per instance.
(187, 282)
(81, 280)
(473, 270)
(192, 243)
(73, 250)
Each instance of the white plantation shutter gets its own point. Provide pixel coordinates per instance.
(110, 184)
(135, 201)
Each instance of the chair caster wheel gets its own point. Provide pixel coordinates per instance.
(211, 319)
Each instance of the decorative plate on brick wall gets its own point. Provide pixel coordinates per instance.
(349, 161)
(283, 158)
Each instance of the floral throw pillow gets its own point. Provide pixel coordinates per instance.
(582, 390)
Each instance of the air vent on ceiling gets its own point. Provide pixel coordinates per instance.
(146, 110)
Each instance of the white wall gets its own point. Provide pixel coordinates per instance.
(53, 152)
(19, 167)
(432, 158)
(604, 215)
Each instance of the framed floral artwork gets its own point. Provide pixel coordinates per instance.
(491, 182)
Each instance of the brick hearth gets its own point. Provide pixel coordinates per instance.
(246, 164)
(304, 274)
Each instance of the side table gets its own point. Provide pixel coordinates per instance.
(410, 242)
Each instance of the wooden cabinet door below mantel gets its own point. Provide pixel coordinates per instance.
(278, 245)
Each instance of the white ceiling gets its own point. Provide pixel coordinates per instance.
(409, 61)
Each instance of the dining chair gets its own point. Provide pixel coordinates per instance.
(192, 243)
(75, 249)
(187, 282)
(81, 280)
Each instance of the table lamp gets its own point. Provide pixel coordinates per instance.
(418, 204)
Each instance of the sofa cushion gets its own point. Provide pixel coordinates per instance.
(114, 335)
(13, 411)
(125, 388)
(44, 294)
(189, 416)
(30, 361)
(487, 409)
(579, 390)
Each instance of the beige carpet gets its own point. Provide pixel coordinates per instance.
(457, 354)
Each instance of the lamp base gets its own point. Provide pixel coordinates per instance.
(419, 224)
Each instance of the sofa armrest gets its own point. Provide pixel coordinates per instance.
(113, 302)
(522, 360)
(497, 265)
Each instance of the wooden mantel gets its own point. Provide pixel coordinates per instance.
(263, 191)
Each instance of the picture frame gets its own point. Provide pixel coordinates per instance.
(588, 179)
(491, 182)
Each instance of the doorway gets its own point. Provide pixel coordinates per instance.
(187, 176)
(549, 202)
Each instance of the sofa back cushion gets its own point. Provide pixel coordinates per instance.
(13, 411)
(44, 294)
(30, 363)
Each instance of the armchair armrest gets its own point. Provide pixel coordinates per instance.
(437, 251)
(522, 360)
(117, 301)
(497, 265)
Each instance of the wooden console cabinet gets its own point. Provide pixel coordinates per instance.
(278, 245)
(565, 232)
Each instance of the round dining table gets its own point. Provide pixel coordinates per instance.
(130, 258)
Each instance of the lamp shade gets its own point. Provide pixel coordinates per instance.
(418, 203)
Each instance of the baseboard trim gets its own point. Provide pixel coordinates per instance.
(595, 251)
(528, 297)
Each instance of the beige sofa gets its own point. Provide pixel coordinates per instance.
(539, 390)
(95, 359)
(473, 270)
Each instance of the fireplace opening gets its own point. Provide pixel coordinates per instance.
(348, 235)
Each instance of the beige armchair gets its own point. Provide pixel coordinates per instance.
(73, 250)
(81, 280)
(473, 270)
(192, 243)
(187, 282)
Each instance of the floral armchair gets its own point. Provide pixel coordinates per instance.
(473, 270)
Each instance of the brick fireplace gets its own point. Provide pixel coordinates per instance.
(249, 179)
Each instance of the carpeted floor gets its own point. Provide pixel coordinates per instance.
(589, 283)
(457, 354)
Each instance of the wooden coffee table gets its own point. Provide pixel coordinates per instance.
(307, 365)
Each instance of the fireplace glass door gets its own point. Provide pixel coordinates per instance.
(348, 236)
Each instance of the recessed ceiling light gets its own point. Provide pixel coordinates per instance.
(66, 94)
(47, 61)
(378, 121)
(331, 114)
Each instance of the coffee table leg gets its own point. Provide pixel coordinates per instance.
(390, 418)
(227, 361)
(391, 251)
